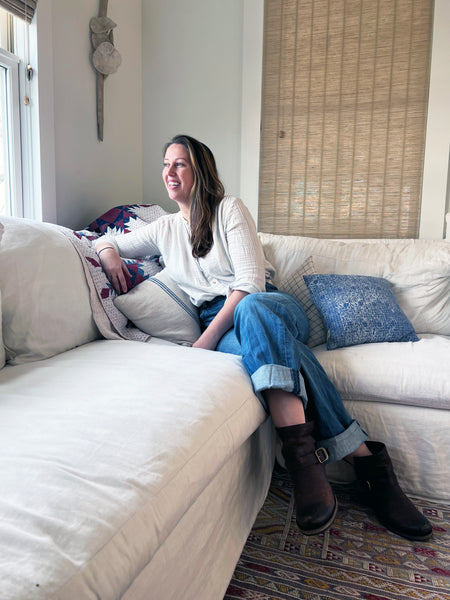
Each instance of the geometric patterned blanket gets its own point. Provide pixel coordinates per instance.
(117, 221)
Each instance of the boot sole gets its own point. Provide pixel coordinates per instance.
(365, 499)
(323, 527)
(406, 536)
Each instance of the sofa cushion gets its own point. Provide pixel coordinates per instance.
(410, 373)
(419, 270)
(45, 297)
(99, 469)
(296, 286)
(357, 309)
(160, 308)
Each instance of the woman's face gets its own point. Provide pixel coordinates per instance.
(177, 174)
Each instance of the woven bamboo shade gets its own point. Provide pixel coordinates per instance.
(345, 90)
(20, 8)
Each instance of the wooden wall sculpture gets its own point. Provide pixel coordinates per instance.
(105, 58)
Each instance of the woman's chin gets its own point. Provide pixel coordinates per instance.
(183, 204)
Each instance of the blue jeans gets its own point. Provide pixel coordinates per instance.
(270, 333)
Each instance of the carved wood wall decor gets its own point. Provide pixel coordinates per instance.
(105, 58)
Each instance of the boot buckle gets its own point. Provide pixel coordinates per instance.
(321, 455)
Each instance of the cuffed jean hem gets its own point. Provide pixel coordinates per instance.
(344, 443)
(270, 377)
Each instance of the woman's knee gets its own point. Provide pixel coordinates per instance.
(271, 306)
(253, 304)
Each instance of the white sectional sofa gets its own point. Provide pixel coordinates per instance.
(399, 392)
(128, 467)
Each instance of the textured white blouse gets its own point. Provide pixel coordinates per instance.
(235, 262)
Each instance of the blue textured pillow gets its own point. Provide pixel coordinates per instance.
(359, 310)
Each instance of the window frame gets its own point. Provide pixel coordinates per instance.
(11, 110)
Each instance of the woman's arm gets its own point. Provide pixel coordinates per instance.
(221, 323)
(247, 257)
(135, 244)
(114, 267)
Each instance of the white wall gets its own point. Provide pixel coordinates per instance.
(191, 83)
(251, 102)
(92, 176)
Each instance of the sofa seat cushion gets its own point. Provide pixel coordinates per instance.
(410, 373)
(103, 452)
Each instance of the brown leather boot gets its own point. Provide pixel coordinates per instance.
(382, 492)
(315, 502)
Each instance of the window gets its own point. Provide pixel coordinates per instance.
(15, 134)
(345, 92)
(10, 149)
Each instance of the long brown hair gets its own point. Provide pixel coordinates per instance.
(206, 194)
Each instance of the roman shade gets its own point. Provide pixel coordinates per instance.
(23, 9)
(344, 105)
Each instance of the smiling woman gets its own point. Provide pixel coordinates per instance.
(211, 250)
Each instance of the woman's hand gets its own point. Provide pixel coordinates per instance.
(206, 341)
(221, 323)
(115, 269)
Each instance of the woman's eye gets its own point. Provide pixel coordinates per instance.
(166, 165)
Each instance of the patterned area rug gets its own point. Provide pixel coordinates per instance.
(356, 559)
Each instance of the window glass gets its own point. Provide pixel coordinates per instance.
(4, 192)
(11, 192)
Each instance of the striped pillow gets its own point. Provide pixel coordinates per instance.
(160, 308)
(296, 286)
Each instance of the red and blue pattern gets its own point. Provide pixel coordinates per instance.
(122, 219)
(118, 221)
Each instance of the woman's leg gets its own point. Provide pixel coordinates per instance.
(271, 329)
(315, 502)
(270, 333)
(284, 407)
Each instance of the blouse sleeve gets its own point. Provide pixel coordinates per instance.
(139, 243)
(245, 250)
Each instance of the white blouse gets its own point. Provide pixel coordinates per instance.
(235, 262)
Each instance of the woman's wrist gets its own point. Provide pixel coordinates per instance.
(104, 248)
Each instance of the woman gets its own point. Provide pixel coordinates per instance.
(210, 248)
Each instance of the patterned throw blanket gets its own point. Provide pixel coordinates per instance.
(117, 221)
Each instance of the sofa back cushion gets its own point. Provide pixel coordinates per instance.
(418, 270)
(45, 296)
